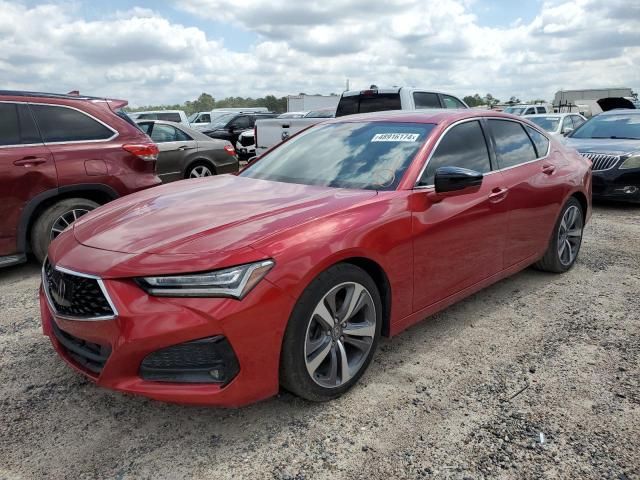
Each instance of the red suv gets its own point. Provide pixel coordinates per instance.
(60, 157)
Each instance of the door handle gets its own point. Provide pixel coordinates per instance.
(498, 194)
(29, 161)
(548, 169)
(184, 147)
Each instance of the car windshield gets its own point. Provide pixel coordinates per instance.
(193, 117)
(514, 110)
(362, 155)
(623, 126)
(550, 124)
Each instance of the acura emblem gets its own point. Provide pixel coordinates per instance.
(59, 290)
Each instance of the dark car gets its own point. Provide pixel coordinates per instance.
(188, 153)
(229, 127)
(611, 141)
(60, 157)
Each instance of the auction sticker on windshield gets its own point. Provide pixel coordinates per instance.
(395, 137)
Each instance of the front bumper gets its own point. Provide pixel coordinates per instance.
(253, 328)
(245, 151)
(615, 184)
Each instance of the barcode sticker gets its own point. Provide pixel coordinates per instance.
(395, 137)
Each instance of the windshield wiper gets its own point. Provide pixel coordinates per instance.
(614, 137)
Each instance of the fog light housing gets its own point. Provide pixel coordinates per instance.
(207, 360)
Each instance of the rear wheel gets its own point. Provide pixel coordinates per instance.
(199, 169)
(566, 239)
(54, 220)
(332, 334)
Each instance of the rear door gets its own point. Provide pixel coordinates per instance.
(459, 240)
(26, 169)
(174, 146)
(535, 190)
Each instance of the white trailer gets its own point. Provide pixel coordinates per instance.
(306, 103)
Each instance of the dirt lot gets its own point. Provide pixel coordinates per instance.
(535, 377)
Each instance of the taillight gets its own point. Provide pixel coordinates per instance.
(230, 150)
(144, 151)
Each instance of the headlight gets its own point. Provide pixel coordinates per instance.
(234, 282)
(632, 162)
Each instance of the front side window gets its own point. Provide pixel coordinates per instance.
(16, 125)
(577, 121)
(462, 146)
(566, 123)
(541, 110)
(452, 102)
(530, 111)
(426, 100)
(513, 146)
(62, 124)
(362, 155)
(241, 122)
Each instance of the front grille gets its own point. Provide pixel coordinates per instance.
(246, 140)
(602, 161)
(208, 360)
(75, 296)
(91, 356)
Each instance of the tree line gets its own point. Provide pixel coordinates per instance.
(206, 102)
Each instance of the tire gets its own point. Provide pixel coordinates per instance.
(52, 220)
(307, 338)
(565, 243)
(199, 166)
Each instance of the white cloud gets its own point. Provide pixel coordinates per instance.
(314, 46)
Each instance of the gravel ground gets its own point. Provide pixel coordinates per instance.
(534, 377)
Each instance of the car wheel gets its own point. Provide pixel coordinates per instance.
(200, 169)
(565, 241)
(332, 334)
(54, 220)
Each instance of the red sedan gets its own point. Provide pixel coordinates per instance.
(221, 290)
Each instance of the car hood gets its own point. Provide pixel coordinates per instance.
(603, 145)
(212, 214)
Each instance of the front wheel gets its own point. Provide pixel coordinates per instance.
(566, 239)
(332, 334)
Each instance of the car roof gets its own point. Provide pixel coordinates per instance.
(113, 102)
(423, 116)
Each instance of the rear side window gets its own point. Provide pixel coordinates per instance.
(452, 102)
(375, 102)
(540, 141)
(169, 117)
(16, 125)
(462, 146)
(62, 124)
(513, 145)
(426, 100)
(162, 133)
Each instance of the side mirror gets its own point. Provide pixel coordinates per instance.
(451, 181)
(567, 131)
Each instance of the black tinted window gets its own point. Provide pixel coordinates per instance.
(146, 127)
(169, 117)
(541, 110)
(16, 125)
(61, 124)
(513, 146)
(452, 102)
(540, 141)
(374, 102)
(462, 146)
(426, 100)
(241, 122)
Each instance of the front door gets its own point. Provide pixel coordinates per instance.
(459, 240)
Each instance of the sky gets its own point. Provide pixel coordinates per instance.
(163, 52)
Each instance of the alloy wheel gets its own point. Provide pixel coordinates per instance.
(340, 334)
(569, 235)
(200, 171)
(65, 220)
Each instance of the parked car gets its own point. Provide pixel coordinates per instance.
(201, 120)
(230, 126)
(218, 291)
(187, 153)
(611, 140)
(246, 145)
(524, 109)
(60, 157)
(177, 116)
(558, 124)
(271, 132)
(292, 115)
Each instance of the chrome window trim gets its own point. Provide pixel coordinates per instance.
(464, 120)
(68, 142)
(77, 274)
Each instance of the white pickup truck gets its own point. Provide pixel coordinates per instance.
(271, 132)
